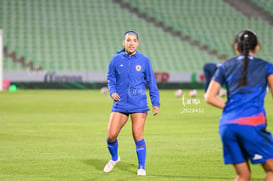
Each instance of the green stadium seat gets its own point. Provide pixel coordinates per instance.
(72, 35)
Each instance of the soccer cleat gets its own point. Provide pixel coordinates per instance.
(110, 165)
(141, 172)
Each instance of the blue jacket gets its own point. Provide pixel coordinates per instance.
(127, 76)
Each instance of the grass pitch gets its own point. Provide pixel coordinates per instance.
(61, 135)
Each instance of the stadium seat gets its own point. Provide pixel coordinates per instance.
(72, 35)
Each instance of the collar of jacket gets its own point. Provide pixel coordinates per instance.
(241, 56)
(127, 55)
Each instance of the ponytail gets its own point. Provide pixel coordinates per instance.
(121, 51)
(243, 80)
(246, 40)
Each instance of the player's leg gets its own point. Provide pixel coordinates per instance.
(234, 152)
(138, 122)
(268, 168)
(116, 122)
(260, 145)
(268, 165)
(243, 172)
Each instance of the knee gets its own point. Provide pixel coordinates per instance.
(112, 136)
(138, 135)
(269, 175)
(246, 176)
(268, 168)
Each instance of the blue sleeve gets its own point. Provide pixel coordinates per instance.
(219, 75)
(111, 78)
(269, 69)
(150, 78)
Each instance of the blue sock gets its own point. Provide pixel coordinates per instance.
(141, 153)
(113, 149)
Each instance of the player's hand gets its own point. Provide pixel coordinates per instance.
(155, 110)
(115, 97)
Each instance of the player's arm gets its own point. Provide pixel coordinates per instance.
(154, 93)
(111, 78)
(270, 82)
(212, 97)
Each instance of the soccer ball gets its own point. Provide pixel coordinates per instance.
(193, 93)
(178, 93)
(104, 90)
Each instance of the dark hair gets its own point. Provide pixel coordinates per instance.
(130, 32)
(246, 40)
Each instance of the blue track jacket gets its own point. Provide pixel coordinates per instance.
(127, 76)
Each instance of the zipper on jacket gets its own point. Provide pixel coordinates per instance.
(128, 95)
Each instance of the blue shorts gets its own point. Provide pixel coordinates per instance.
(126, 111)
(127, 114)
(242, 143)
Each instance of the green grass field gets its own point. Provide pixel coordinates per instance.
(61, 135)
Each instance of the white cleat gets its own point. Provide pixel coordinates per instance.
(110, 165)
(141, 172)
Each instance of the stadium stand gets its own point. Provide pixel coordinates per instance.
(72, 35)
(265, 4)
(212, 23)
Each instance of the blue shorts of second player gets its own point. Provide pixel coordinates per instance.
(242, 143)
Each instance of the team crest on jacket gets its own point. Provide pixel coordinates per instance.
(138, 67)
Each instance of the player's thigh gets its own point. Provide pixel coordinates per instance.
(116, 122)
(138, 122)
(258, 143)
(242, 169)
(233, 151)
(268, 165)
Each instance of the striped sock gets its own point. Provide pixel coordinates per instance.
(113, 149)
(141, 153)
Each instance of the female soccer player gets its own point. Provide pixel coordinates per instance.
(127, 74)
(243, 122)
